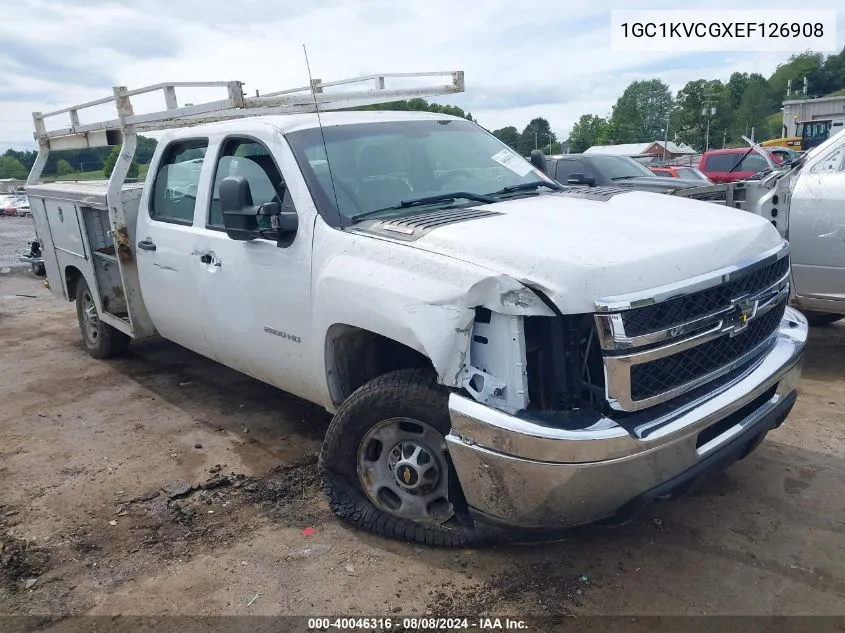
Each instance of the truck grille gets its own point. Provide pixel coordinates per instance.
(662, 375)
(681, 340)
(682, 309)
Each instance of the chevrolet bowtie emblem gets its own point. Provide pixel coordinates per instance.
(746, 310)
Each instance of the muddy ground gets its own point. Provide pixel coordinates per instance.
(162, 483)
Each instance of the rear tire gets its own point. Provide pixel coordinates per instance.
(820, 319)
(392, 429)
(100, 339)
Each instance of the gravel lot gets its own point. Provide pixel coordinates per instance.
(14, 234)
(162, 483)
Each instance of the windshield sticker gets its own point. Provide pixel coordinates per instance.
(511, 161)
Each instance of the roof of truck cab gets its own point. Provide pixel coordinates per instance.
(293, 122)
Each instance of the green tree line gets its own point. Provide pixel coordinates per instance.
(16, 164)
(732, 108)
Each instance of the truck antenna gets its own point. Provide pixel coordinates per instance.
(322, 135)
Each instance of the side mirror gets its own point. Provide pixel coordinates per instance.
(242, 218)
(538, 159)
(581, 179)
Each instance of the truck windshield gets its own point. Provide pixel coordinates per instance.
(377, 166)
(618, 167)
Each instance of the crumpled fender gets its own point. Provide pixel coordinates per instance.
(421, 299)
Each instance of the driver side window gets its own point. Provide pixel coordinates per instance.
(249, 159)
(832, 162)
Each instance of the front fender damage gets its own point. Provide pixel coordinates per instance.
(454, 356)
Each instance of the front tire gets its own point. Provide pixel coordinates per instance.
(100, 339)
(384, 463)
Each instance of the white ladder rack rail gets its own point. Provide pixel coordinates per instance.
(124, 129)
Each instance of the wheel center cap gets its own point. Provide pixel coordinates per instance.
(406, 475)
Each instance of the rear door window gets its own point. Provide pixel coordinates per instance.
(174, 195)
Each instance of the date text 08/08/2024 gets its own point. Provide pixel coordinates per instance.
(420, 624)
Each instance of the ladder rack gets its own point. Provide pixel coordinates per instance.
(235, 105)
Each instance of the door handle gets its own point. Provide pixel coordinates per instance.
(207, 259)
(146, 245)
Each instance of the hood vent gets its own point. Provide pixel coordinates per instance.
(413, 227)
(593, 193)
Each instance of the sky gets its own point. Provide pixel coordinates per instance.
(521, 59)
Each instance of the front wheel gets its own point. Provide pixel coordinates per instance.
(100, 339)
(385, 466)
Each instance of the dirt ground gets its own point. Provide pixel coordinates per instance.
(162, 483)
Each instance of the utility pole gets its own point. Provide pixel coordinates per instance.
(666, 132)
(535, 138)
(709, 110)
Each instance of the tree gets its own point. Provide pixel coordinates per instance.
(536, 134)
(111, 161)
(11, 167)
(640, 113)
(509, 136)
(834, 72)
(63, 168)
(736, 86)
(807, 65)
(692, 113)
(588, 131)
(754, 109)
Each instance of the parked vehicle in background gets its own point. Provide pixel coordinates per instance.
(729, 165)
(502, 354)
(817, 131)
(785, 154)
(603, 170)
(680, 171)
(805, 201)
(791, 142)
(17, 207)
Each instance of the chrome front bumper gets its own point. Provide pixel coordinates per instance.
(520, 473)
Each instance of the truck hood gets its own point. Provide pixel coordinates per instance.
(577, 248)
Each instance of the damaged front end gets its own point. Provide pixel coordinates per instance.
(564, 419)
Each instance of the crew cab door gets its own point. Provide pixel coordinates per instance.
(817, 227)
(167, 239)
(255, 294)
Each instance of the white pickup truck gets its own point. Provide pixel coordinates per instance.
(504, 357)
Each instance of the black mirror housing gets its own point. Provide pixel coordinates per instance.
(241, 217)
(538, 159)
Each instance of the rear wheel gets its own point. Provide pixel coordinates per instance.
(819, 319)
(100, 339)
(385, 466)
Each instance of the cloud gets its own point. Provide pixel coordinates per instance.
(521, 59)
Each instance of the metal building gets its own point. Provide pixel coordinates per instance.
(822, 108)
